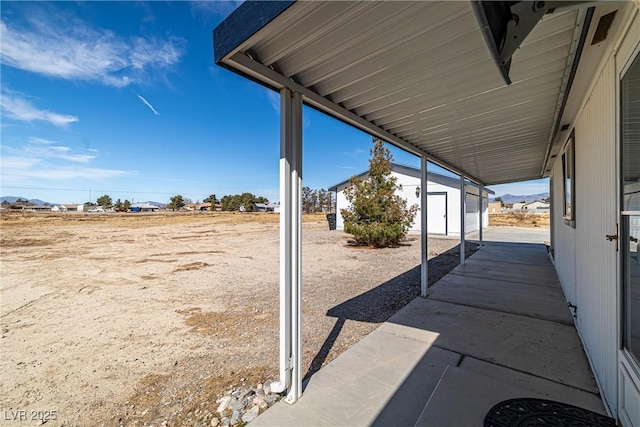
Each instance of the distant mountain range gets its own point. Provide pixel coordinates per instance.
(511, 198)
(12, 199)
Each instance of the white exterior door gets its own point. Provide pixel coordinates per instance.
(437, 213)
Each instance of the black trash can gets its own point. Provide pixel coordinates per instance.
(331, 218)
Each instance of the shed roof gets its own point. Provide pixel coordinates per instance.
(144, 205)
(416, 173)
(418, 74)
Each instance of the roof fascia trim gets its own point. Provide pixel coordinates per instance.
(415, 173)
(242, 63)
(586, 25)
(249, 18)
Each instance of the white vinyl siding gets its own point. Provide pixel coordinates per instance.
(584, 259)
(596, 258)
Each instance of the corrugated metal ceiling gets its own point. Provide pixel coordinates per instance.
(421, 71)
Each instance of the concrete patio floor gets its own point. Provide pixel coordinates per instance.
(494, 329)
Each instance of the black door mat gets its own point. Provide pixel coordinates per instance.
(527, 412)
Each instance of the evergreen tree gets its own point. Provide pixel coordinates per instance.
(377, 216)
(176, 202)
(211, 199)
(245, 200)
(104, 201)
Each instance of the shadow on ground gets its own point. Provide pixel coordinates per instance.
(383, 301)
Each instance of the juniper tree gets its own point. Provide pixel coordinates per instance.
(176, 202)
(377, 216)
(211, 199)
(104, 201)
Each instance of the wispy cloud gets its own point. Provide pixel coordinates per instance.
(52, 173)
(274, 99)
(42, 149)
(65, 47)
(37, 140)
(148, 104)
(356, 152)
(22, 110)
(218, 8)
(17, 162)
(42, 158)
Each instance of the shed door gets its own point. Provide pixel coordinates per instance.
(471, 213)
(437, 213)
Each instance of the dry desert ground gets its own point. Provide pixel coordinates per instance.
(140, 319)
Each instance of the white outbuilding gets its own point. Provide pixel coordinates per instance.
(443, 200)
(537, 207)
(144, 207)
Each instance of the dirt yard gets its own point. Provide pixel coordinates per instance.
(140, 319)
(520, 219)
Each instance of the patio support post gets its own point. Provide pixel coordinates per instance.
(290, 243)
(424, 240)
(463, 208)
(481, 201)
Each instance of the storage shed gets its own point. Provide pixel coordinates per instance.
(443, 200)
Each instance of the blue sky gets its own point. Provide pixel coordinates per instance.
(123, 98)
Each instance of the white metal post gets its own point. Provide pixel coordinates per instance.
(463, 208)
(290, 243)
(481, 189)
(424, 240)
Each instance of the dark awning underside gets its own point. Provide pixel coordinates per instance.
(417, 74)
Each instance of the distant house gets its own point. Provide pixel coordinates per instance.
(537, 207)
(494, 208)
(267, 207)
(198, 206)
(36, 208)
(443, 200)
(144, 207)
(68, 208)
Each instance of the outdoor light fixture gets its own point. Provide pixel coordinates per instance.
(418, 191)
(506, 24)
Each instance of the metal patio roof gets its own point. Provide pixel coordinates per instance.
(418, 74)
